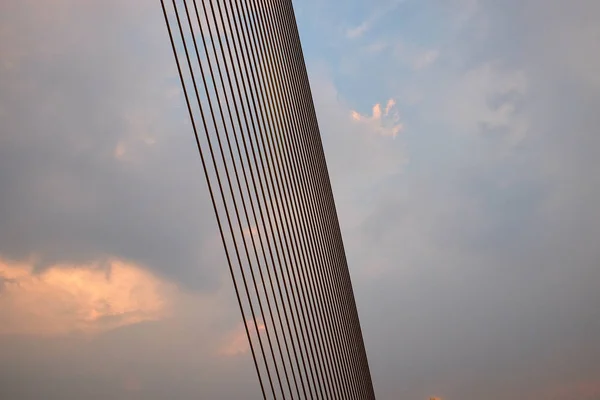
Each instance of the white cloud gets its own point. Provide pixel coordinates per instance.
(425, 59)
(372, 19)
(359, 30)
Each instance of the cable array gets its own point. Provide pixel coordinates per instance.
(246, 87)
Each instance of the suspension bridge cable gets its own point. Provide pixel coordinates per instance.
(277, 215)
(333, 212)
(210, 188)
(278, 190)
(303, 246)
(270, 62)
(281, 205)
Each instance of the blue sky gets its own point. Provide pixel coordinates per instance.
(460, 136)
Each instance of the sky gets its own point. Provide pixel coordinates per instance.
(460, 137)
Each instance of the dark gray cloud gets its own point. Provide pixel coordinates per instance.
(97, 157)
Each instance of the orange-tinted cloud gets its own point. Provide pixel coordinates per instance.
(251, 231)
(584, 390)
(386, 123)
(390, 104)
(236, 342)
(78, 298)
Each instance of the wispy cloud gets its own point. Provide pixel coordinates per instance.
(372, 19)
(390, 104)
(236, 342)
(425, 59)
(386, 123)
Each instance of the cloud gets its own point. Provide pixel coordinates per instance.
(481, 250)
(377, 14)
(479, 258)
(251, 231)
(386, 124)
(113, 278)
(359, 30)
(486, 98)
(377, 47)
(98, 158)
(388, 107)
(236, 341)
(76, 329)
(425, 59)
(79, 298)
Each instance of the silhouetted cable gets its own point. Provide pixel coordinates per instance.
(300, 361)
(261, 83)
(280, 221)
(235, 173)
(255, 188)
(331, 203)
(329, 241)
(303, 246)
(293, 205)
(244, 279)
(191, 114)
(293, 113)
(262, 192)
(285, 114)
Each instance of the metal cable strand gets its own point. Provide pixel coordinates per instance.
(210, 188)
(343, 253)
(298, 281)
(238, 180)
(329, 356)
(333, 212)
(228, 181)
(279, 234)
(292, 258)
(319, 177)
(270, 62)
(277, 208)
(259, 187)
(292, 113)
(243, 86)
(357, 326)
(297, 217)
(303, 246)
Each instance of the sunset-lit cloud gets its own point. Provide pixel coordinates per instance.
(391, 103)
(584, 390)
(251, 231)
(386, 123)
(78, 298)
(236, 342)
